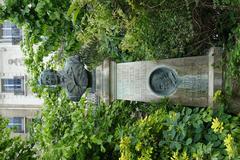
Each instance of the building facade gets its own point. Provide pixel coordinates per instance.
(17, 102)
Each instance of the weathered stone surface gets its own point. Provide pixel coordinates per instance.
(189, 81)
(106, 81)
(133, 80)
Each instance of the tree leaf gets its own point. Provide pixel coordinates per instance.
(72, 7)
(189, 141)
(75, 14)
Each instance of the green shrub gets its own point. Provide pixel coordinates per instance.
(234, 55)
(80, 131)
(128, 130)
(13, 147)
(185, 134)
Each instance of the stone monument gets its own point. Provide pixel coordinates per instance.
(189, 81)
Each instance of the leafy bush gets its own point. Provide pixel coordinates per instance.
(13, 148)
(234, 55)
(81, 131)
(127, 130)
(133, 131)
(133, 30)
(185, 134)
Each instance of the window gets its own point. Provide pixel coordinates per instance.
(7, 33)
(17, 124)
(15, 85)
(9, 86)
(7, 24)
(10, 33)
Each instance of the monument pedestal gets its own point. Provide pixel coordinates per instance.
(189, 81)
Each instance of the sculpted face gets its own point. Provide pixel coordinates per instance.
(163, 81)
(50, 78)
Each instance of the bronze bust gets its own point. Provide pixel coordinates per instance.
(74, 78)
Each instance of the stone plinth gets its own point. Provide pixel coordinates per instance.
(189, 81)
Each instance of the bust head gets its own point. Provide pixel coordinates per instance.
(49, 78)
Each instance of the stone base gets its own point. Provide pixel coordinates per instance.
(106, 84)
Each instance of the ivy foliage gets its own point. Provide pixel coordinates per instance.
(133, 30)
(234, 55)
(127, 130)
(80, 131)
(13, 148)
(184, 134)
